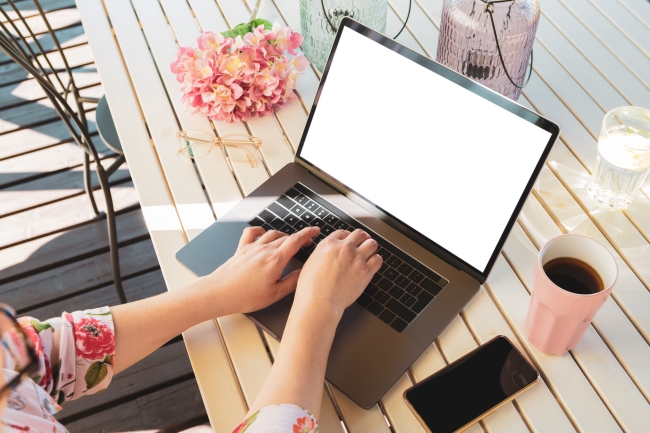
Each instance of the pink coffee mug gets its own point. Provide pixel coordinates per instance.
(557, 318)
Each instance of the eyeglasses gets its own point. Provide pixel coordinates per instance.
(16, 344)
(236, 147)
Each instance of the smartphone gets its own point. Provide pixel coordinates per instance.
(472, 387)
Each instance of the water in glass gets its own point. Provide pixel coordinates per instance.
(623, 160)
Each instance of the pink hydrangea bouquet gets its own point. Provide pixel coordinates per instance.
(243, 72)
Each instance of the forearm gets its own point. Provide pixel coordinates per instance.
(143, 326)
(298, 372)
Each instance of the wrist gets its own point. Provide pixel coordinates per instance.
(205, 300)
(323, 313)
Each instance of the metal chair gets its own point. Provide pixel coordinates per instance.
(30, 55)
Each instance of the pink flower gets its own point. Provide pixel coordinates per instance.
(300, 62)
(93, 338)
(210, 41)
(47, 377)
(304, 425)
(295, 41)
(234, 79)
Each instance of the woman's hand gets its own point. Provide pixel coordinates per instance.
(338, 270)
(250, 280)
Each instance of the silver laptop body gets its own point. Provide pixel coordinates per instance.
(369, 355)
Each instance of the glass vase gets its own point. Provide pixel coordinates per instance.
(467, 45)
(318, 34)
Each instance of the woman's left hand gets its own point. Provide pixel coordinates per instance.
(250, 280)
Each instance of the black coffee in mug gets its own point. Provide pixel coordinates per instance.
(574, 275)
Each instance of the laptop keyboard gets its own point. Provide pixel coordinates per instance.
(398, 292)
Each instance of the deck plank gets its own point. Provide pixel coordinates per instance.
(37, 164)
(76, 277)
(28, 9)
(20, 227)
(69, 35)
(35, 113)
(58, 186)
(165, 365)
(139, 287)
(13, 95)
(77, 56)
(151, 411)
(67, 246)
(39, 137)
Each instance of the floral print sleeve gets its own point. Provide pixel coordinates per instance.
(76, 352)
(76, 355)
(283, 418)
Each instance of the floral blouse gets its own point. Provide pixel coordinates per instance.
(76, 353)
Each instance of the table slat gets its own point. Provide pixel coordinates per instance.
(626, 22)
(194, 211)
(631, 54)
(598, 54)
(638, 8)
(400, 416)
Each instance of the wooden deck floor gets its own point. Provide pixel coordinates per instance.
(54, 256)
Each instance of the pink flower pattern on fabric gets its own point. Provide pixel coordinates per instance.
(281, 418)
(93, 338)
(304, 425)
(233, 79)
(76, 355)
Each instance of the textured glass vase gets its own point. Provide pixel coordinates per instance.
(466, 43)
(319, 35)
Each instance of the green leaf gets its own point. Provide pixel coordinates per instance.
(61, 398)
(95, 374)
(238, 30)
(40, 326)
(259, 21)
(68, 383)
(56, 368)
(108, 313)
(250, 420)
(108, 359)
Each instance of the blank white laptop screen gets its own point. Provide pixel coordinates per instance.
(438, 157)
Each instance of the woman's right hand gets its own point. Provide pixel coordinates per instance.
(338, 271)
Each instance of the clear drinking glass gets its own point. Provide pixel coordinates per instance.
(318, 34)
(623, 160)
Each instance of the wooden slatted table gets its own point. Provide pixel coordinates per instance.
(590, 56)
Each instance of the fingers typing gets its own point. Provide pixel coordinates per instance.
(293, 243)
(250, 234)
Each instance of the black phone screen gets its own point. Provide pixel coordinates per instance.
(471, 386)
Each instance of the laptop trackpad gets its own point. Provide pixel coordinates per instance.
(274, 317)
(349, 315)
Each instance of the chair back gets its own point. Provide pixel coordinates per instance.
(29, 50)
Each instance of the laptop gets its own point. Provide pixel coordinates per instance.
(434, 166)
